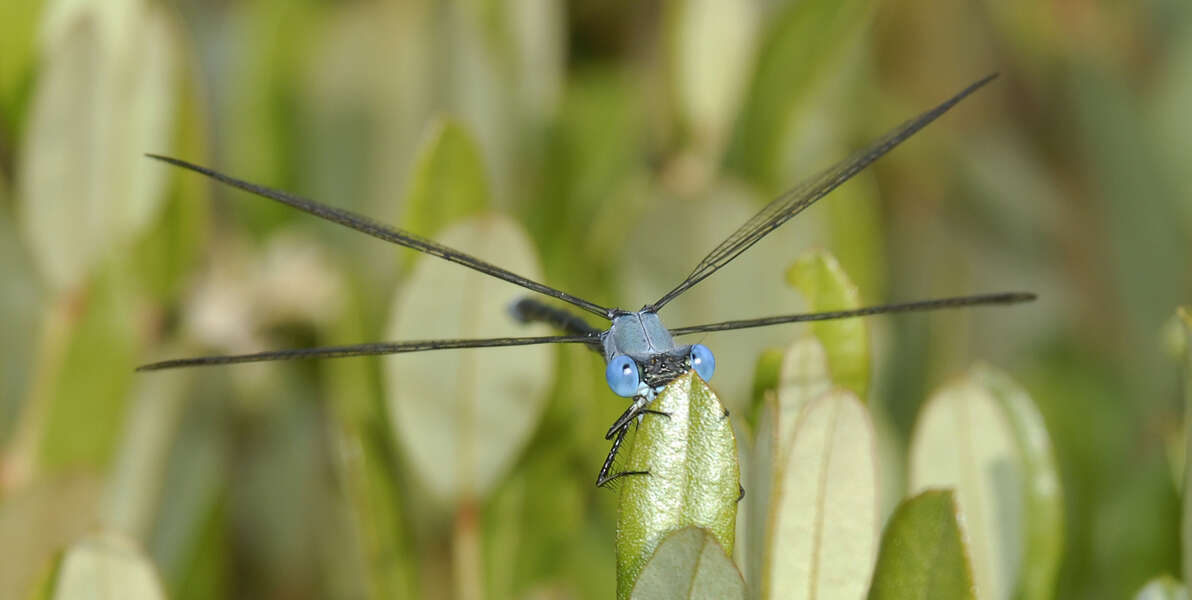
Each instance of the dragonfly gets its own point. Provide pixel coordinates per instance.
(640, 353)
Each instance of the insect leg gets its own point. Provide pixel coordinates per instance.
(603, 478)
(635, 410)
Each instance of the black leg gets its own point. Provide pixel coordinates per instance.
(740, 496)
(631, 413)
(603, 478)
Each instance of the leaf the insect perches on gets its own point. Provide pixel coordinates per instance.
(693, 480)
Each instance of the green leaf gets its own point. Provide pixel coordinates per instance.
(462, 417)
(982, 436)
(366, 468)
(1163, 588)
(821, 280)
(448, 181)
(803, 43)
(694, 477)
(824, 513)
(1043, 502)
(690, 564)
(85, 418)
(106, 95)
(923, 553)
(106, 566)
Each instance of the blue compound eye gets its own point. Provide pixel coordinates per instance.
(622, 376)
(702, 361)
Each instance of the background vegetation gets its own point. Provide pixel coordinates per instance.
(625, 139)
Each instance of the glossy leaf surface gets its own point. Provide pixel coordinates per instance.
(693, 476)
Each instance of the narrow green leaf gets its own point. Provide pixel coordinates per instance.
(802, 43)
(18, 26)
(965, 440)
(366, 468)
(712, 48)
(462, 417)
(105, 97)
(1163, 588)
(1043, 502)
(766, 377)
(536, 35)
(692, 460)
(1185, 316)
(448, 181)
(923, 554)
(106, 566)
(824, 513)
(689, 564)
(821, 280)
(85, 417)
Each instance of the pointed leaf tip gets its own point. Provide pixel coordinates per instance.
(689, 564)
(923, 553)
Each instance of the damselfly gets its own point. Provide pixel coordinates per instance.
(640, 353)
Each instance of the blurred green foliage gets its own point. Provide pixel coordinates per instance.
(626, 139)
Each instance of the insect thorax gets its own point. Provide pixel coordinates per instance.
(641, 336)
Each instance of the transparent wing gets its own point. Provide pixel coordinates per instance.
(389, 234)
(917, 306)
(791, 203)
(372, 349)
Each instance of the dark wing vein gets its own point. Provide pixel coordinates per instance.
(917, 306)
(390, 234)
(791, 203)
(372, 349)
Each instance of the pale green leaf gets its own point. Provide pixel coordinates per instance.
(713, 46)
(448, 181)
(824, 512)
(1163, 588)
(106, 96)
(964, 440)
(538, 50)
(821, 280)
(923, 554)
(804, 377)
(461, 417)
(22, 302)
(106, 566)
(759, 487)
(692, 459)
(1043, 503)
(689, 564)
